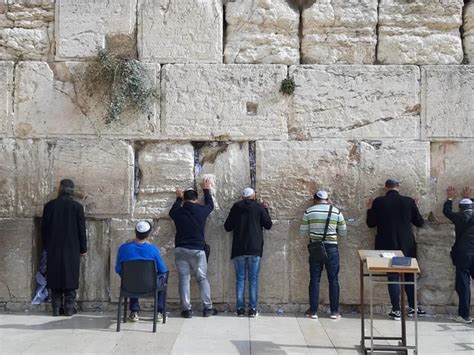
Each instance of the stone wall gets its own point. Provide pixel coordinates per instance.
(217, 67)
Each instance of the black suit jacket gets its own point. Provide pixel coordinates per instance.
(393, 215)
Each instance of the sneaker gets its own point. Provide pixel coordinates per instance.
(159, 318)
(310, 314)
(240, 312)
(253, 313)
(335, 316)
(411, 312)
(68, 311)
(207, 312)
(463, 320)
(133, 317)
(187, 313)
(395, 315)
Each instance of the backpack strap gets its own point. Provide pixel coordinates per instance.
(327, 223)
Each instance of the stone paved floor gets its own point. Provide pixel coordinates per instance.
(94, 333)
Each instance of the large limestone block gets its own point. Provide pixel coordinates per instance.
(6, 99)
(94, 278)
(223, 102)
(34, 177)
(184, 31)
(17, 239)
(102, 170)
(228, 167)
(26, 30)
(420, 32)
(448, 107)
(288, 174)
(164, 167)
(84, 26)
(468, 32)
(409, 162)
(261, 32)
(7, 178)
(355, 101)
(436, 282)
(52, 100)
(339, 31)
(450, 165)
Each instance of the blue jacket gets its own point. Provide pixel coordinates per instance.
(190, 221)
(139, 251)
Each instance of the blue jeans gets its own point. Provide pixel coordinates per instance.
(332, 269)
(394, 291)
(246, 265)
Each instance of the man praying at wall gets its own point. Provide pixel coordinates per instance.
(63, 230)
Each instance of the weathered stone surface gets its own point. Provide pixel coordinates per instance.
(6, 99)
(94, 277)
(355, 101)
(16, 259)
(7, 178)
(26, 30)
(436, 283)
(34, 178)
(164, 167)
(223, 102)
(228, 167)
(82, 26)
(468, 32)
(420, 32)
(261, 32)
(288, 174)
(448, 106)
(450, 165)
(339, 31)
(183, 31)
(409, 162)
(102, 170)
(52, 100)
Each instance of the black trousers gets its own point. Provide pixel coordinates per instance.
(63, 298)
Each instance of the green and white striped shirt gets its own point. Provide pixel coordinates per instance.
(314, 221)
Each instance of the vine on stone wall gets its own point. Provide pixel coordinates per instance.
(123, 81)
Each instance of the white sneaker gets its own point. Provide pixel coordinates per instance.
(335, 316)
(460, 319)
(133, 317)
(159, 318)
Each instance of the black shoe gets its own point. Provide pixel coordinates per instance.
(253, 313)
(56, 312)
(207, 312)
(240, 312)
(411, 312)
(69, 311)
(395, 315)
(187, 313)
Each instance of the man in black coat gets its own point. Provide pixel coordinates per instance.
(64, 239)
(247, 218)
(462, 252)
(394, 215)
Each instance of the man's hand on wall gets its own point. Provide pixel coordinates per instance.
(206, 184)
(466, 192)
(369, 203)
(451, 192)
(179, 193)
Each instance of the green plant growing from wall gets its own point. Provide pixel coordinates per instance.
(288, 86)
(123, 82)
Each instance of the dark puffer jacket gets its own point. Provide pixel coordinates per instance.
(247, 218)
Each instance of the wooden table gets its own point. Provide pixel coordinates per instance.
(378, 266)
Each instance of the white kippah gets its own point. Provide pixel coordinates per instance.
(465, 201)
(247, 192)
(143, 227)
(323, 195)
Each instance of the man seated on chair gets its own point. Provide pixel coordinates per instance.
(140, 249)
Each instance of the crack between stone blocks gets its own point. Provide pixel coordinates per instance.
(465, 59)
(253, 164)
(224, 31)
(137, 14)
(377, 34)
(137, 173)
(13, 99)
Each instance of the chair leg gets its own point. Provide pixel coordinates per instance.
(155, 311)
(164, 305)
(125, 301)
(118, 313)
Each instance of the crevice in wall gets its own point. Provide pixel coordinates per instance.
(377, 33)
(300, 6)
(137, 173)
(253, 163)
(13, 96)
(224, 30)
(465, 59)
(206, 152)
